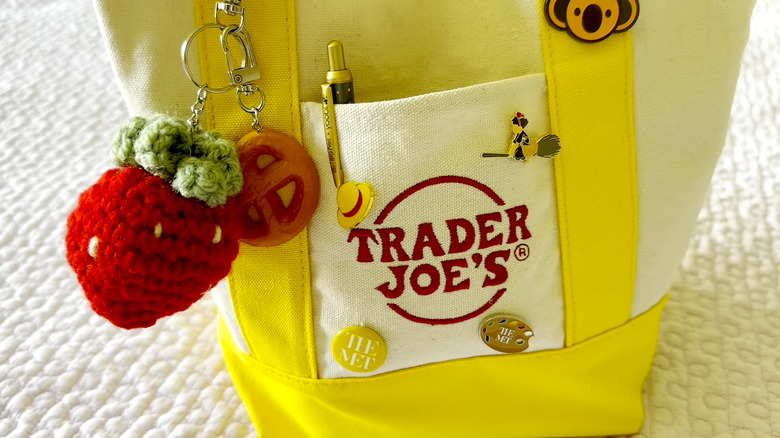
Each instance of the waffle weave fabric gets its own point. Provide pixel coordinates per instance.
(65, 372)
(142, 252)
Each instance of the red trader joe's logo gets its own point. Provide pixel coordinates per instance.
(486, 241)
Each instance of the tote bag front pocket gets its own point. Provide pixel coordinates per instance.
(451, 238)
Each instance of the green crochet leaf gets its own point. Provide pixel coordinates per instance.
(211, 146)
(203, 165)
(161, 144)
(122, 149)
(202, 179)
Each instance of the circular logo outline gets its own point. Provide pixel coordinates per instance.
(448, 179)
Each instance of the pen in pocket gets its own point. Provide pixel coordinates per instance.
(338, 88)
(339, 77)
(353, 199)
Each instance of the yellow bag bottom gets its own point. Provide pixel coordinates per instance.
(591, 388)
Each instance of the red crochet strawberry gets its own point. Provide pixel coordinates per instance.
(149, 240)
(142, 251)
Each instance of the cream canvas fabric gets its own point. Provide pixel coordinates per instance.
(140, 37)
(407, 48)
(686, 63)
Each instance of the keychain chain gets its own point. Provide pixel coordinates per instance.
(197, 108)
(241, 78)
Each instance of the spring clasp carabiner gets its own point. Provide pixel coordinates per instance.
(241, 78)
(248, 72)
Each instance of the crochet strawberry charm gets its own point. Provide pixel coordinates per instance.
(149, 239)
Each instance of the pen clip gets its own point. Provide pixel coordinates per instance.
(331, 134)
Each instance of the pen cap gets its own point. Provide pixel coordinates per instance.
(337, 67)
(336, 56)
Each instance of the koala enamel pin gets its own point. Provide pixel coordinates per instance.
(592, 20)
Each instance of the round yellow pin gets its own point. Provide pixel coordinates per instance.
(359, 349)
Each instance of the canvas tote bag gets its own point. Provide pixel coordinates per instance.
(577, 250)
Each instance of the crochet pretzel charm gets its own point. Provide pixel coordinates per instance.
(266, 219)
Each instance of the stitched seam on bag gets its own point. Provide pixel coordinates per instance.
(568, 284)
(303, 238)
(205, 65)
(632, 164)
(567, 287)
(308, 312)
(205, 69)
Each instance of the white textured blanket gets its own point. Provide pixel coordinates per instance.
(66, 372)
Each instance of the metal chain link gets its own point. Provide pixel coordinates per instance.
(197, 109)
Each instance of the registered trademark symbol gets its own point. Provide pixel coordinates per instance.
(522, 252)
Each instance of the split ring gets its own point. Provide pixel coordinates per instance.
(185, 58)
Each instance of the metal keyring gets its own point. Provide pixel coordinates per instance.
(185, 62)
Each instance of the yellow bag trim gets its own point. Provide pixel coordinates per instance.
(590, 92)
(595, 385)
(270, 287)
(592, 388)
